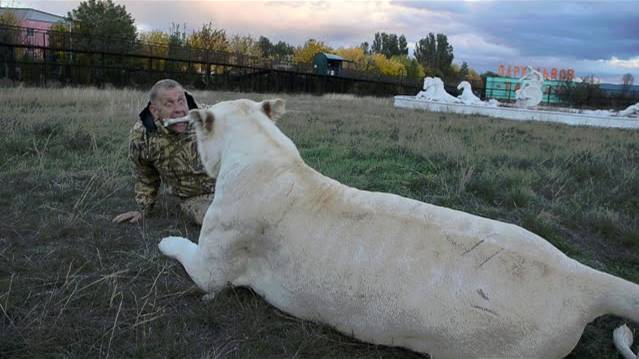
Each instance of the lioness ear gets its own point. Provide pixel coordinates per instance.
(274, 109)
(202, 118)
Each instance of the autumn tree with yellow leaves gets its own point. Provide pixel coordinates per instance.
(244, 46)
(356, 57)
(155, 42)
(305, 54)
(8, 55)
(414, 70)
(9, 18)
(208, 38)
(388, 67)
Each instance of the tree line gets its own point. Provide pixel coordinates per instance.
(387, 54)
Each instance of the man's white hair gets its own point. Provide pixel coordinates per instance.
(165, 84)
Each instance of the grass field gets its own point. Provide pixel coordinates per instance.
(72, 284)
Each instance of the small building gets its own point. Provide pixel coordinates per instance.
(327, 64)
(503, 88)
(37, 23)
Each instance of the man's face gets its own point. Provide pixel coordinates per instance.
(170, 103)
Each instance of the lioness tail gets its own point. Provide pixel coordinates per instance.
(621, 298)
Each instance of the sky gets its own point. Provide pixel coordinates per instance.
(599, 38)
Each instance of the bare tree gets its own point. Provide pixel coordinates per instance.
(628, 79)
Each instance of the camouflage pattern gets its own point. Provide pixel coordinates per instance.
(196, 207)
(169, 157)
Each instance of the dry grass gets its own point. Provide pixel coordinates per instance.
(74, 285)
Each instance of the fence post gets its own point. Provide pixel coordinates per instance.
(188, 70)
(102, 65)
(44, 65)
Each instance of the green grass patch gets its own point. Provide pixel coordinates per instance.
(72, 284)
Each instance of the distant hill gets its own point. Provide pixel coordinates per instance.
(616, 88)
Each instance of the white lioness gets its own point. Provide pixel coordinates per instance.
(386, 269)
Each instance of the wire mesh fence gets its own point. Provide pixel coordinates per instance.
(51, 58)
(57, 58)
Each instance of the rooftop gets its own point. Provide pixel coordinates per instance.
(332, 57)
(33, 14)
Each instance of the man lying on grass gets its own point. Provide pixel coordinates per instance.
(167, 154)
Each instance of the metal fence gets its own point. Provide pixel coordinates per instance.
(50, 58)
(53, 58)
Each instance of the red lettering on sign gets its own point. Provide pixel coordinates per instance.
(521, 71)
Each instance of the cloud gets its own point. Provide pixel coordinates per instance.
(632, 63)
(590, 36)
(456, 7)
(470, 44)
(540, 28)
(292, 22)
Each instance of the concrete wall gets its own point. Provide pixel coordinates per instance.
(517, 114)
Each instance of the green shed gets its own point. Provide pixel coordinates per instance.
(327, 64)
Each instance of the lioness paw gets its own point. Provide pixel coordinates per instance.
(172, 246)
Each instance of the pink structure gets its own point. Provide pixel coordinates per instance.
(37, 23)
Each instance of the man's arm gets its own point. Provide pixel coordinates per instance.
(145, 176)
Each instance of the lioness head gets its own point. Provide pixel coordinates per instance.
(212, 123)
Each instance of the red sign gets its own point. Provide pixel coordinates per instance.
(554, 74)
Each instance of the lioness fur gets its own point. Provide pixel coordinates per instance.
(383, 268)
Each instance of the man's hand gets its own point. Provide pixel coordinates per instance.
(131, 217)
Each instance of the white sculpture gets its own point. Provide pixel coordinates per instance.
(383, 268)
(427, 89)
(467, 96)
(598, 113)
(493, 103)
(434, 91)
(632, 110)
(530, 93)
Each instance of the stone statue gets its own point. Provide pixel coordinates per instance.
(467, 96)
(434, 91)
(632, 110)
(427, 89)
(530, 93)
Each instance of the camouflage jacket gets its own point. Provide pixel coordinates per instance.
(165, 156)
